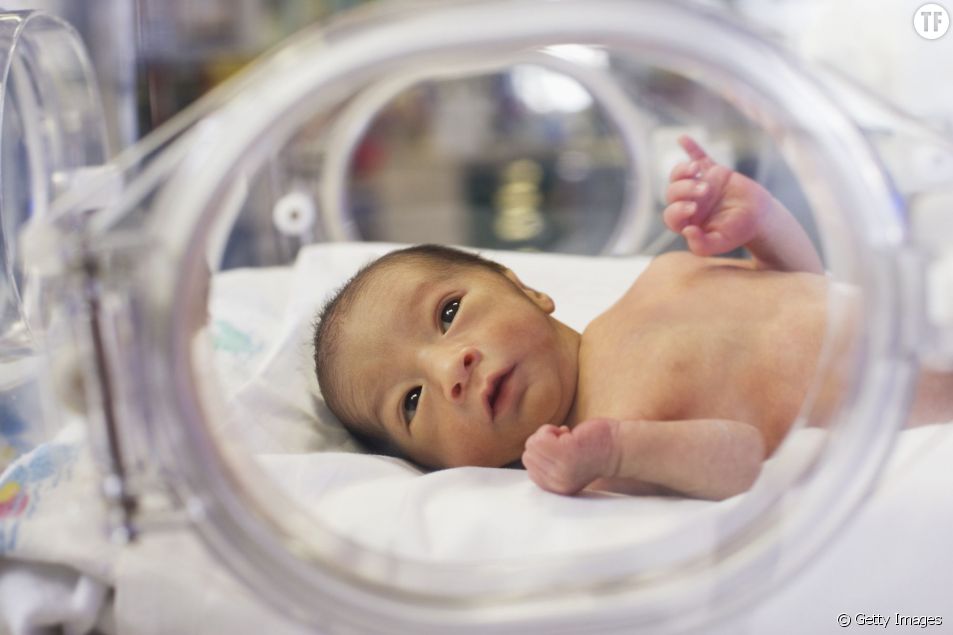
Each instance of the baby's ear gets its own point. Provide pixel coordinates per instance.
(540, 299)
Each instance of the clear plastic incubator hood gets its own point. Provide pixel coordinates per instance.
(111, 269)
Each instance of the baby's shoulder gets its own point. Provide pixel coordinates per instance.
(662, 280)
(673, 260)
(673, 265)
(665, 271)
(669, 265)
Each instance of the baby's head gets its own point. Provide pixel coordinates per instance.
(444, 357)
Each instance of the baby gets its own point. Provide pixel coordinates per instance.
(685, 385)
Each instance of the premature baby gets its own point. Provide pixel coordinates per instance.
(685, 385)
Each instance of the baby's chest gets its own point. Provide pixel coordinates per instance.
(639, 366)
(633, 373)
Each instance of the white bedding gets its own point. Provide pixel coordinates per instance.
(895, 555)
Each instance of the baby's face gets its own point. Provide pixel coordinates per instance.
(458, 365)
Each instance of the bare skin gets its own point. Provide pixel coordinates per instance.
(688, 382)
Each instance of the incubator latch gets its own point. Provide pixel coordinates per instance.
(89, 187)
(52, 244)
(932, 221)
(940, 309)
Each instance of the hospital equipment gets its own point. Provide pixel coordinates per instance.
(116, 279)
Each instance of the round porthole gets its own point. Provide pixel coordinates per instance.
(676, 67)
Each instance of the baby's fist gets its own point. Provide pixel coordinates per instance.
(565, 461)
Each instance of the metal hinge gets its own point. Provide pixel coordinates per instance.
(94, 341)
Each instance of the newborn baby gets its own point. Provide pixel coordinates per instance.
(685, 385)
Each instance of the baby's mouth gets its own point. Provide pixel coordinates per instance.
(494, 390)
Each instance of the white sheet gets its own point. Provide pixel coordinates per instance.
(894, 556)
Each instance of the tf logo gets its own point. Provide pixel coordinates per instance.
(931, 21)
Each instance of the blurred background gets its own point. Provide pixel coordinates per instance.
(524, 158)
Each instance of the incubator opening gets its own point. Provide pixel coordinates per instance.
(686, 289)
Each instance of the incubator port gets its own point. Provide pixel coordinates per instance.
(198, 261)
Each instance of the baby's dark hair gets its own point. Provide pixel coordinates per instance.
(327, 330)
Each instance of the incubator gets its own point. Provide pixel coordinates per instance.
(116, 272)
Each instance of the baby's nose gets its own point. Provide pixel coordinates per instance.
(460, 372)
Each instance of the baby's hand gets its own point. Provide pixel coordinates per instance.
(565, 461)
(716, 209)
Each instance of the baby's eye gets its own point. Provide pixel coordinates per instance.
(448, 312)
(410, 403)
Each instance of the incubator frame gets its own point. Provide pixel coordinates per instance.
(50, 98)
(323, 578)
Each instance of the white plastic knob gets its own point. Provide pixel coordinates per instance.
(294, 213)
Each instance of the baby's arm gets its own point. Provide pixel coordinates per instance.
(702, 458)
(717, 210)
